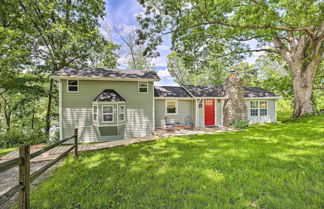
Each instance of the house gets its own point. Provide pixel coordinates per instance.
(118, 104)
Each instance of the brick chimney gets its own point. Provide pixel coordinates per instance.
(234, 108)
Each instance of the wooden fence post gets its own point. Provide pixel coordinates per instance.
(24, 177)
(76, 143)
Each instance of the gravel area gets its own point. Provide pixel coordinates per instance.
(9, 178)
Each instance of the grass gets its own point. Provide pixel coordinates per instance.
(264, 166)
(4, 151)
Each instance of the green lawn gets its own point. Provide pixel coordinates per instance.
(264, 166)
(4, 151)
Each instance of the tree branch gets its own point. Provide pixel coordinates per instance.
(246, 51)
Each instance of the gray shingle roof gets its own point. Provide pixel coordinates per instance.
(105, 73)
(206, 91)
(108, 95)
(170, 91)
(253, 92)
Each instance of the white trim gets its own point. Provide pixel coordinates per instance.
(258, 108)
(172, 98)
(106, 125)
(102, 114)
(93, 113)
(123, 112)
(60, 109)
(261, 98)
(67, 86)
(138, 87)
(196, 112)
(153, 109)
(166, 107)
(215, 109)
(101, 78)
(108, 103)
(275, 109)
(222, 118)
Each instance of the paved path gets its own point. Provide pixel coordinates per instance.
(55, 152)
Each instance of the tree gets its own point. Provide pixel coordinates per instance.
(64, 32)
(136, 60)
(220, 29)
(213, 74)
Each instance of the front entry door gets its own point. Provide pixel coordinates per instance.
(209, 112)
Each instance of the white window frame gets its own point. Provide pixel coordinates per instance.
(258, 108)
(93, 113)
(103, 114)
(147, 87)
(124, 112)
(263, 108)
(166, 107)
(67, 86)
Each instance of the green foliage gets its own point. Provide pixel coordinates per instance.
(240, 124)
(204, 32)
(17, 136)
(37, 39)
(264, 166)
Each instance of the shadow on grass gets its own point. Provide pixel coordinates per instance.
(265, 166)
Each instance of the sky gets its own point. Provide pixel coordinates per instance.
(124, 12)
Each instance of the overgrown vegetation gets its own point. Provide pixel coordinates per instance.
(240, 124)
(265, 166)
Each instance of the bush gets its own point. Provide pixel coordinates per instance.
(240, 124)
(15, 137)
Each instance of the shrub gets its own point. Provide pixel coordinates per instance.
(15, 137)
(240, 124)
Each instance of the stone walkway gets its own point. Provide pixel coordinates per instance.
(55, 152)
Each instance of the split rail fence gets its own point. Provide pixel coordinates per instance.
(25, 178)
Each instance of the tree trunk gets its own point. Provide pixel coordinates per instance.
(8, 120)
(49, 108)
(303, 88)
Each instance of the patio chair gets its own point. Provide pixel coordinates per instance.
(188, 121)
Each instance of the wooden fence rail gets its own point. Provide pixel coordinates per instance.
(25, 178)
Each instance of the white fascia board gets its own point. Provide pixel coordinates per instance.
(101, 78)
(261, 98)
(173, 98)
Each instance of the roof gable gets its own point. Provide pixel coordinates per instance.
(106, 73)
(109, 95)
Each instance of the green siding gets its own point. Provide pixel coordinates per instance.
(271, 117)
(77, 108)
(219, 112)
(201, 116)
(185, 109)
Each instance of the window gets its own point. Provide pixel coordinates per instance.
(142, 87)
(254, 108)
(121, 112)
(258, 108)
(263, 108)
(73, 86)
(107, 113)
(95, 113)
(171, 107)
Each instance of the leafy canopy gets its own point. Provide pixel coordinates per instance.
(204, 30)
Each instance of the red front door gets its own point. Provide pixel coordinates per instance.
(209, 112)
